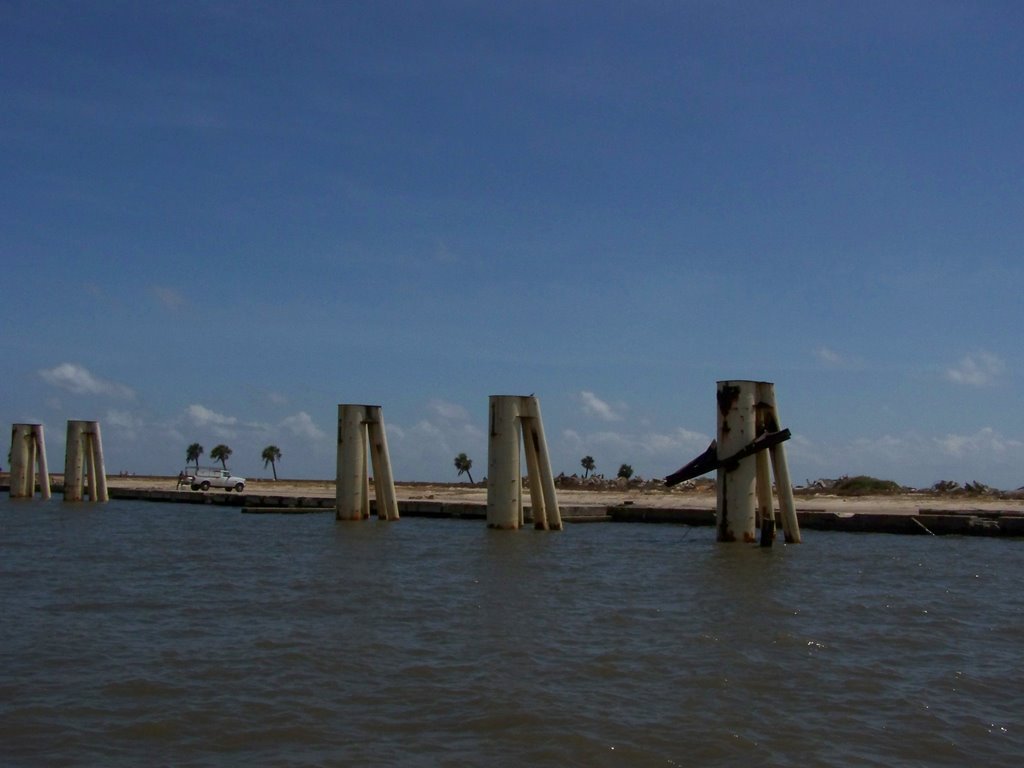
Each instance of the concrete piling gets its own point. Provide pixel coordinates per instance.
(749, 440)
(357, 426)
(737, 428)
(515, 420)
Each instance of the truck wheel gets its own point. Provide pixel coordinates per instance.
(205, 485)
(239, 487)
(194, 487)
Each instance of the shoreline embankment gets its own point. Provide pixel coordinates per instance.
(909, 514)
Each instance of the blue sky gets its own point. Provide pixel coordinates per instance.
(220, 220)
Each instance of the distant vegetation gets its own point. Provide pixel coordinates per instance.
(271, 455)
(221, 453)
(587, 462)
(864, 485)
(858, 485)
(192, 453)
(973, 488)
(463, 463)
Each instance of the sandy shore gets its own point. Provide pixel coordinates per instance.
(910, 503)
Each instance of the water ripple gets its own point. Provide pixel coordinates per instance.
(150, 634)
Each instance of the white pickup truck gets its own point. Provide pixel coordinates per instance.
(205, 478)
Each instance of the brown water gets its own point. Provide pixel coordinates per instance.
(148, 634)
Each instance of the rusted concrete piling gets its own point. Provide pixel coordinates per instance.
(746, 413)
(357, 425)
(736, 485)
(748, 437)
(83, 462)
(28, 453)
(512, 416)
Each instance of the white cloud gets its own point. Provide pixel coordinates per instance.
(202, 416)
(126, 422)
(277, 398)
(830, 358)
(301, 425)
(595, 406)
(909, 458)
(426, 449)
(985, 442)
(223, 427)
(78, 380)
(169, 297)
(652, 454)
(450, 411)
(981, 370)
(915, 459)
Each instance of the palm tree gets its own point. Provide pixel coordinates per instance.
(271, 455)
(463, 464)
(587, 462)
(193, 452)
(625, 471)
(221, 453)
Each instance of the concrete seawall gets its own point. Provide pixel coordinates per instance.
(287, 504)
(964, 521)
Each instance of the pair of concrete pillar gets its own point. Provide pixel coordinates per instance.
(28, 453)
(83, 462)
(746, 412)
(357, 426)
(514, 420)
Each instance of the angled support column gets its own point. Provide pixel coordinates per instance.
(28, 452)
(358, 424)
(380, 461)
(543, 497)
(780, 468)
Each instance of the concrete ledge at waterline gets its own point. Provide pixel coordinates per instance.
(286, 510)
(468, 510)
(897, 518)
(581, 514)
(223, 498)
(463, 510)
(923, 523)
(701, 516)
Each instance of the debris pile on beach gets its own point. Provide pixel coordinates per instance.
(863, 485)
(601, 483)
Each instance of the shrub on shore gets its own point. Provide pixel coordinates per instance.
(858, 485)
